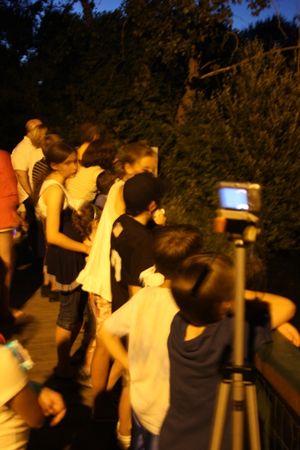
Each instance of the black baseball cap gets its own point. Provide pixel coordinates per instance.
(140, 191)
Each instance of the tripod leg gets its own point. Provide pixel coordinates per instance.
(238, 414)
(220, 415)
(252, 416)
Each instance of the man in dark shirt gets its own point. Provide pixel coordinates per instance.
(131, 239)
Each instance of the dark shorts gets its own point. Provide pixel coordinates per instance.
(71, 311)
(142, 439)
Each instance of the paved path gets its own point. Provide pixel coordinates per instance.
(78, 431)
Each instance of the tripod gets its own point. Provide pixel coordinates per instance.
(243, 388)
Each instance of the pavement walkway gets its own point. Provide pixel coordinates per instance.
(78, 430)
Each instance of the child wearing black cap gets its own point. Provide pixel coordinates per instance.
(131, 255)
(131, 240)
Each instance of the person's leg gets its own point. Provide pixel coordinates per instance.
(101, 310)
(6, 270)
(100, 368)
(137, 439)
(32, 227)
(68, 325)
(142, 439)
(63, 339)
(115, 374)
(84, 354)
(124, 424)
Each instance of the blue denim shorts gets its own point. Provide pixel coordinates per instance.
(71, 311)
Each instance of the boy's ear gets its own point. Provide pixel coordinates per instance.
(225, 307)
(152, 206)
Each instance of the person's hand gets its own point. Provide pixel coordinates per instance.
(87, 248)
(159, 216)
(52, 404)
(290, 333)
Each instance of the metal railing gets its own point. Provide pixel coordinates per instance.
(278, 394)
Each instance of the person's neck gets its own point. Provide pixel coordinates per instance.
(57, 176)
(166, 284)
(142, 218)
(192, 331)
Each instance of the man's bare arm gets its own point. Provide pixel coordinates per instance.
(23, 179)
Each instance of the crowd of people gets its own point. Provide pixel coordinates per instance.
(156, 308)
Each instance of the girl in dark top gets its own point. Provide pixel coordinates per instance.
(65, 253)
(200, 342)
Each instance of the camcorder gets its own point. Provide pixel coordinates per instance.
(239, 204)
(240, 196)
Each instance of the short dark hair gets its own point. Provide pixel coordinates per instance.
(82, 219)
(140, 190)
(99, 153)
(174, 243)
(105, 180)
(201, 285)
(89, 131)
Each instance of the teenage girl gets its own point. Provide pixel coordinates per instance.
(132, 158)
(65, 253)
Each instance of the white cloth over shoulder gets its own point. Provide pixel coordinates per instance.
(14, 432)
(95, 277)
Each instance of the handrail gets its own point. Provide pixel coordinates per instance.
(279, 363)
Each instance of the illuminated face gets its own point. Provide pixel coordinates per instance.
(145, 164)
(68, 167)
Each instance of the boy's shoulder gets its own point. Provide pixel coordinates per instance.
(129, 223)
(153, 297)
(128, 232)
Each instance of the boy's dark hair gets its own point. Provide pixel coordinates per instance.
(83, 218)
(173, 244)
(140, 190)
(105, 180)
(201, 286)
(99, 153)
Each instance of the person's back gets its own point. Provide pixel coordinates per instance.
(200, 344)
(147, 317)
(131, 254)
(26, 154)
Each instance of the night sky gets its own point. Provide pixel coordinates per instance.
(242, 17)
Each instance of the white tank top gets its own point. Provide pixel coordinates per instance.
(41, 207)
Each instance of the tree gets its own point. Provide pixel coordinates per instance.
(247, 131)
(17, 25)
(182, 35)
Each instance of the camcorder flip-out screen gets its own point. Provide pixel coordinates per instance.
(239, 196)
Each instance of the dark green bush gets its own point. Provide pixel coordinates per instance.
(247, 131)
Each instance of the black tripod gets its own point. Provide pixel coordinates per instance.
(243, 387)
